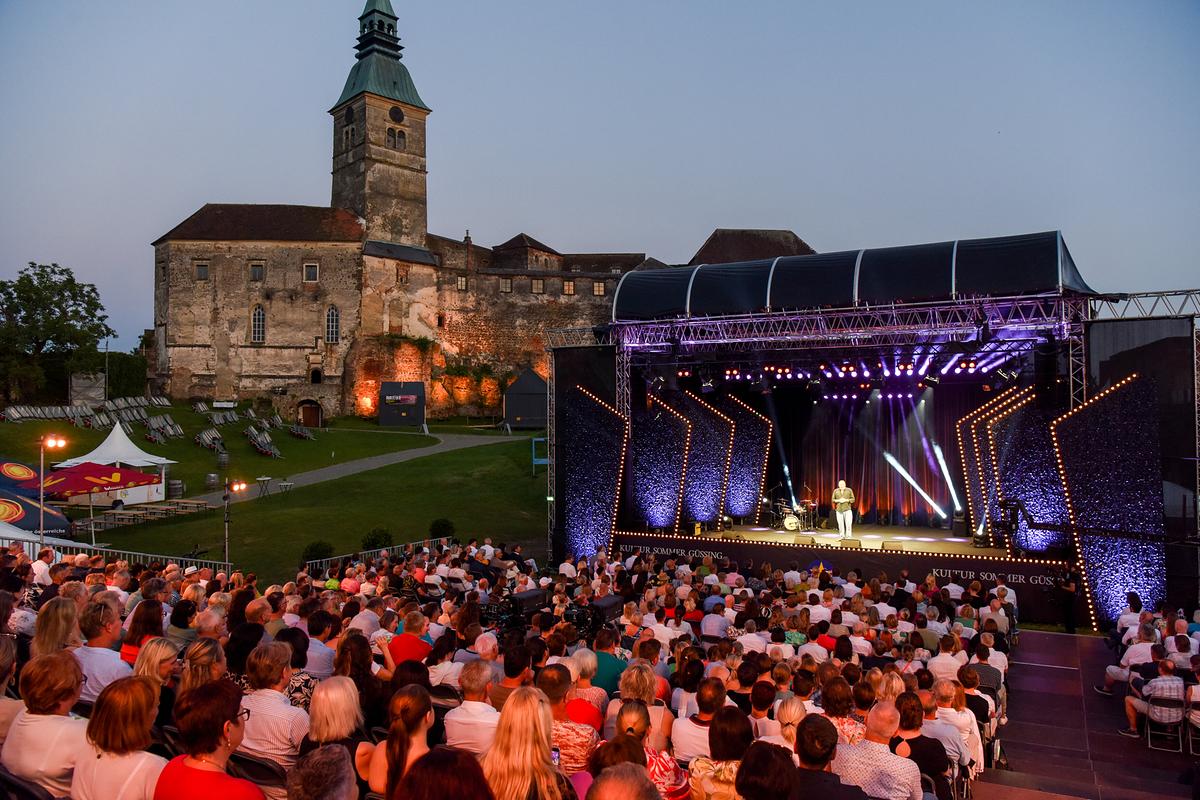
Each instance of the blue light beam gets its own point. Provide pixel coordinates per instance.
(904, 474)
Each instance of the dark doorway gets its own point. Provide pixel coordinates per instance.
(310, 414)
(314, 376)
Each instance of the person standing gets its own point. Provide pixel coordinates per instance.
(843, 508)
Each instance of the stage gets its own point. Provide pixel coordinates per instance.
(866, 537)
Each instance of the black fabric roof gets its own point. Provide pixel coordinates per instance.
(1036, 263)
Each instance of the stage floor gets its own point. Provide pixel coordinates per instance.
(872, 537)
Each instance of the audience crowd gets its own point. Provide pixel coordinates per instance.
(470, 672)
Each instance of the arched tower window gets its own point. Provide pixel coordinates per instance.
(258, 325)
(333, 325)
(391, 137)
(401, 140)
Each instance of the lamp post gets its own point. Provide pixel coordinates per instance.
(48, 440)
(231, 486)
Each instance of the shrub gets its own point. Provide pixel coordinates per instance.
(315, 551)
(441, 527)
(377, 539)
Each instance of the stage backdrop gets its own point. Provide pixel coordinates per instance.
(1031, 579)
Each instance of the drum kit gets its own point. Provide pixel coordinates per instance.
(799, 517)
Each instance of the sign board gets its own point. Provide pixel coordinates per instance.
(402, 403)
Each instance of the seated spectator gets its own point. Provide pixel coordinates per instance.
(472, 725)
(300, 688)
(766, 773)
(101, 665)
(871, 766)
(575, 742)
(325, 773)
(9, 708)
(115, 763)
(411, 714)
(181, 625)
(444, 773)
(409, 646)
(687, 681)
(837, 704)
(729, 736)
(633, 720)
(275, 728)
(517, 673)
(622, 782)
(1167, 686)
(816, 744)
(203, 662)
(609, 665)
(926, 752)
(354, 661)
(638, 682)
(157, 660)
(335, 718)
(621, 749)
(241, 643)
(43, 742)
(56, 628)
(519, 765)
(146, 623)
(322, 626)
(442, 669)
(211, 726)
(689, 735)
(762, 700)
(945, 693)
(944, 665)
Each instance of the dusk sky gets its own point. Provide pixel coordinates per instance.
(618, 126)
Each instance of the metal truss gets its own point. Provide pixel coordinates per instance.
(622, 398)
(1180, 303)
(578, 337)
(551, 493)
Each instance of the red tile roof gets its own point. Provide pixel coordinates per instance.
(727, 245)
(249, 222)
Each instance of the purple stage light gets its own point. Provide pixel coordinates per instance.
(950, 364)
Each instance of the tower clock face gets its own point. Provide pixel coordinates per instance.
(396, 114)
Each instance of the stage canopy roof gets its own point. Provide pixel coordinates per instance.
(118, 449)
(1006, 266)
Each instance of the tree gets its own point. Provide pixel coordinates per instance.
(45, 311)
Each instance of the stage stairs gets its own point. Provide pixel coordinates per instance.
(1061, 739)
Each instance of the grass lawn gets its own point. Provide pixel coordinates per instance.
(480, 426)
(19, 442)
(485, 491)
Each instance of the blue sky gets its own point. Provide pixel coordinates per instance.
(624, 126)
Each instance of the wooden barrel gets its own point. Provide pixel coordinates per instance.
(222, 460)
(174, 489)
(210, 480)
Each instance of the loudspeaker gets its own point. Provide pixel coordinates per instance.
(798, 539)
(851, 544)
(893, 545)
(609, 608)
(530, 602)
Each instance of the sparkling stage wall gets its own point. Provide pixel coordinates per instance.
(592, 447)
(1027, 473)
(1110, 465)
(658, 451)
(708, 459)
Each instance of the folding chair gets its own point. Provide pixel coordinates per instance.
(258, 771)
(21, 789)
(1169, 722)
(1192, 728)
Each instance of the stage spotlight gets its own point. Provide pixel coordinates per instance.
(941, 459)
(932, 380)
(706, 385)
(655, 384)
(912, 482)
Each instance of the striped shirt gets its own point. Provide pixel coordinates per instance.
(275, 727)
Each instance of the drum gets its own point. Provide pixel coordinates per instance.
(791, 523)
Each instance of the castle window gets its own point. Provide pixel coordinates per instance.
(312, 273)
(401, 140)
(568, 287)
(575, 268)
(258, 325)
(201, 270)
(333, 325)
(462, 283)
(598, 289)
(257, 270)
(441, 320)
(506, 285)
(315, 376)
(391, 137)
(616, 270)
(537, 286)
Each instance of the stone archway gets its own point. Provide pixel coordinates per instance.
(310, 413)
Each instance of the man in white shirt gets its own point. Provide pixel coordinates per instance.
(850, 587)
(472, 725)
(792, 576)
(995, 657)
(944, 732)
(995, 612)
(934, 624)
(567, 569)
(367, 620)
(689, 735)
(884, 609)
(1138, 653)
(954, 589)
(101, 665)
(275, 728)
(750, 640)
(944, 665)
(858, 640)
(41, 567)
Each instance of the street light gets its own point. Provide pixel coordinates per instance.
(231, 486)
(53, 442)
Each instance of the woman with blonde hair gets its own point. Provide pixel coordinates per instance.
(518, 765)
(335, 717)
(638, 682)
(788, 714)
(586, 664)
(891, 686)
(156, 660)
(203, 662)
(115, 763)
(57, 627)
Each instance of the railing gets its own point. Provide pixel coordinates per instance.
(321, 565)
(110, 555)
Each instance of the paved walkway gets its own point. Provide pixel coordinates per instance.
(446, 442)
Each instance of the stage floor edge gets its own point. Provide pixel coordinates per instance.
(872, 537)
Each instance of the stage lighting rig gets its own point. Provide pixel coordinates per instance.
(932, 380)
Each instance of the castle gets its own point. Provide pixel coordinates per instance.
(314, 307)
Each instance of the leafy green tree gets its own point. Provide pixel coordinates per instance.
(46, 312)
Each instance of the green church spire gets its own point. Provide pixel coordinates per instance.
(378, 69)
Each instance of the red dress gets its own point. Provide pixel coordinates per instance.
(178, 781)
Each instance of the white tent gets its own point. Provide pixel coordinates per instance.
(11, 533)
(118, 449)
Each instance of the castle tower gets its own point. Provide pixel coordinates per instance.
(379, 136)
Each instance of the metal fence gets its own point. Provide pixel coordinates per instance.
(110, 555)
(321, 565)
